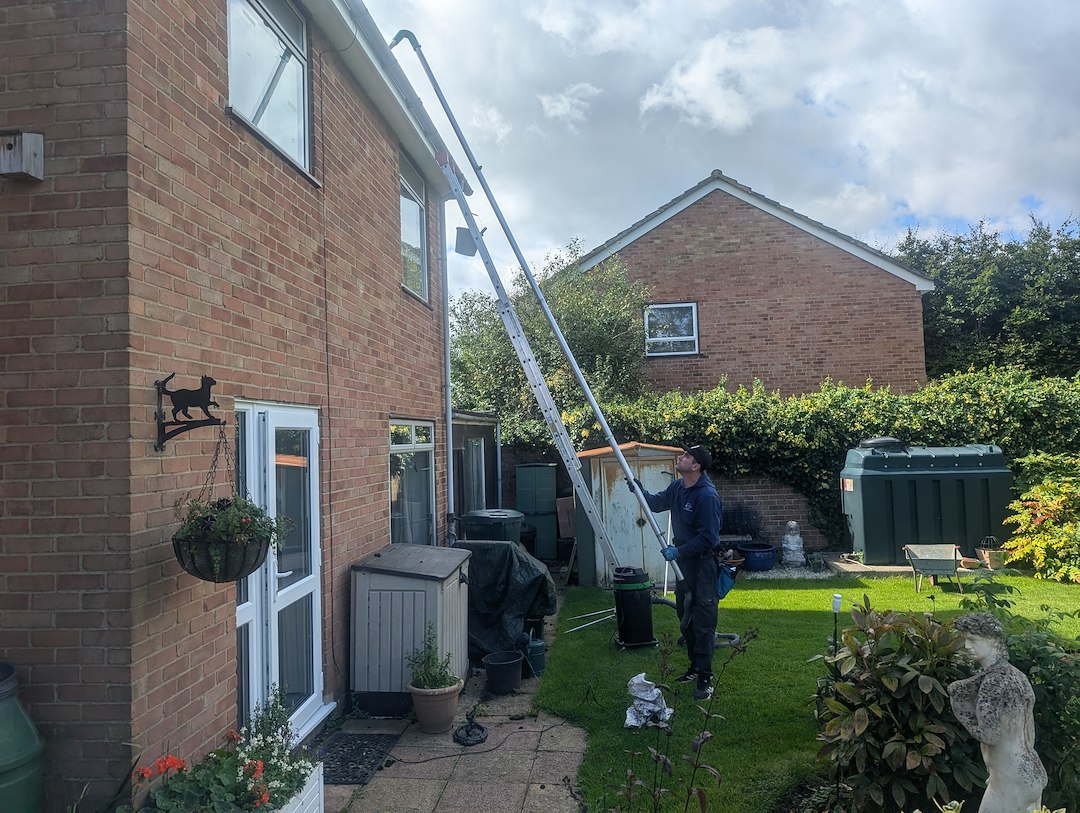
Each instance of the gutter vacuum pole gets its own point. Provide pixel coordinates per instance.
(608, 435)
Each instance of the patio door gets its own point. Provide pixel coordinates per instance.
(278, 620)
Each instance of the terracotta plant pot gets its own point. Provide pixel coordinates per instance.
(436, 708)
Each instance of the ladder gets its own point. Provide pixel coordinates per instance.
(520, 343)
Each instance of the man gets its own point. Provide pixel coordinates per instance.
(695, 522)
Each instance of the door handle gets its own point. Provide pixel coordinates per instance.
(284, 574)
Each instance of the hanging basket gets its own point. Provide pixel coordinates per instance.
(220, 562)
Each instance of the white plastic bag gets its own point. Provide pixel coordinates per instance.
(648, 703)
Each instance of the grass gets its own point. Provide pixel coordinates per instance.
(765, 743)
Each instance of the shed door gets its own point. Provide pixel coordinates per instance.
(631, 535)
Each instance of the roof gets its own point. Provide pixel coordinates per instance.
(632, 449)
(352, 33)
(719, 181)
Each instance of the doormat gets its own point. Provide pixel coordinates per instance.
(352, 758)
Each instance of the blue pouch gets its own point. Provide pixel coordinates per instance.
(725, 579)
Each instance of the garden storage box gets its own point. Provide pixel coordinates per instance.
(895, 495)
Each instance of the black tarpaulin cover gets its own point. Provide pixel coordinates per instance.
(506, 586)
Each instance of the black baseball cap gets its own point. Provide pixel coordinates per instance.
(700, 454)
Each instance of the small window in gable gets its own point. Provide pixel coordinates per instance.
(671, 330)
(268, 73)
(413, 231)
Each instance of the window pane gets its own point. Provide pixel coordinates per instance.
(668, 322)
(411, 504)
(412, 251)
(243, 674)
(267, 74)
(423, 433)
(400, 434)
(296, 653)
(293, 501)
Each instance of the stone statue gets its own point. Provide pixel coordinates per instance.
(996, 706)
(792, 545)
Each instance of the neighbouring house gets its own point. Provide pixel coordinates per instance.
(243, 190)
(747, 289)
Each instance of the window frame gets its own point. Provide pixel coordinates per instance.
(300, 51)
(418, 197)
(415, 443)
(693, 336)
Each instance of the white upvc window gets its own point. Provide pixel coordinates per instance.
(671, 330)
(268, 61)
(412, 482)
(413, 231)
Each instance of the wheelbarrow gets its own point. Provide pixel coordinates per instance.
(933, 561)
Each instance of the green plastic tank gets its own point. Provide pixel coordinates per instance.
(895, 495)
(20, 750)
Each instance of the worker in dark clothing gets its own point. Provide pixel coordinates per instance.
(695, 523)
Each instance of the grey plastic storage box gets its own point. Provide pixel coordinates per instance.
(396, 592)
(895, 495)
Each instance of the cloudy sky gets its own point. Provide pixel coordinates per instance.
(868, 115)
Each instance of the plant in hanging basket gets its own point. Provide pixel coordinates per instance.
(226, 539)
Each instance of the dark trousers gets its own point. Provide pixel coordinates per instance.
(695, 602)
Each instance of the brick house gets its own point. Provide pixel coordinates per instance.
(749, 289)
(746, 288)
(240, 189)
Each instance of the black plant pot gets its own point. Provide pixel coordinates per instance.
(220, 563)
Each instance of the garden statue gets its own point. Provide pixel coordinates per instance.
(792, 545)
(996, 706)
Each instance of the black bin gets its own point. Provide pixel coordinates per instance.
(633, 608)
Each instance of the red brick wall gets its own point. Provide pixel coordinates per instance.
(168, 239)
(776, 304)
(776, 505)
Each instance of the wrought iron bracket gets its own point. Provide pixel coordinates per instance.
(182, 402)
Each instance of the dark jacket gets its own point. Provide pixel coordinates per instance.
(695, 515)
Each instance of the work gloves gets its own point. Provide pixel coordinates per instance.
(639, 485)
(670, 553)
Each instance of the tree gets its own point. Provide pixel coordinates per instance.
(599, 312)
(998, 302)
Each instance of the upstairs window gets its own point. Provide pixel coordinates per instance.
(413, 231)
(671, 330)
(268, 73)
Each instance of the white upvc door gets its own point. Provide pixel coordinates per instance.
(278, 614)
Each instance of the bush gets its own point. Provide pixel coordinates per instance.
(1047, 517)
(886, 724)
(802, 441)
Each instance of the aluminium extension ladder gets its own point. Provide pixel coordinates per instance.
(521, 346)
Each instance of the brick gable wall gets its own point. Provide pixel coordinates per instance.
(167, 238)
(776, 304)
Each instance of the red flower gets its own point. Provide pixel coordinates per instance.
(141, 775)
(232, 735)
(263, 794)
(255, 768)
(169, 763)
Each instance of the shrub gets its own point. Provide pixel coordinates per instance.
(886, 724)
(1047, 517)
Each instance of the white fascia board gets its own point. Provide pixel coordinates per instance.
(338, 23)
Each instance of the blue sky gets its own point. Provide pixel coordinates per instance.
(869, 116)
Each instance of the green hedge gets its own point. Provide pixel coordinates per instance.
(802, 441)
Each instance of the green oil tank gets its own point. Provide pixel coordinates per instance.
(20, 750)
(895, 495)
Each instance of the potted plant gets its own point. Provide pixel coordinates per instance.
(257, 769)
(434, 686)
(990, 553)
(226, 539)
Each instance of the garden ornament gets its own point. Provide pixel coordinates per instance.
(996, 705)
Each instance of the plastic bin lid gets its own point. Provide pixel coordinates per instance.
(494, 516)
(421, 561)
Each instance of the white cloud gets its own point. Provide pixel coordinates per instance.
(571, 106)
(869, 117)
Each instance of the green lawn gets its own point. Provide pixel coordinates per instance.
(765, 741)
